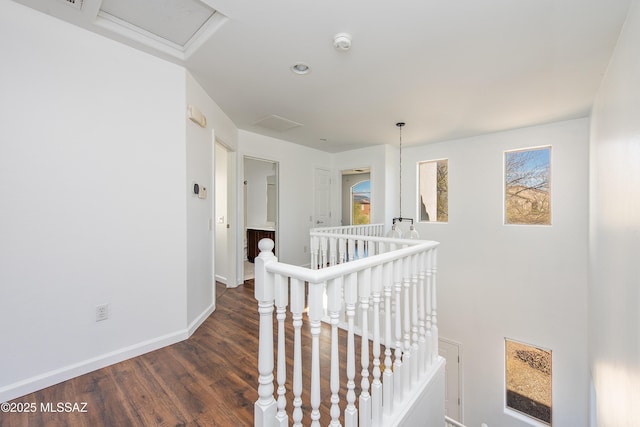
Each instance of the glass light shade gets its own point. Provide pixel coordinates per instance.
(413, 233)
(395, 232)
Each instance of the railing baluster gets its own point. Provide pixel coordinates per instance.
(323, 252)
(265, 407)
(333, 251)
(351, 249)
(397, 363)
(414, 320)
(434, 305)
(334, 294)
(364, 290)
(376, 386)
(387, 387)
(421, 313)
(281, 298)
(316, 291)
(297, 307)
(313, 247)
(429, 332)
(406, 311)
(350, 296)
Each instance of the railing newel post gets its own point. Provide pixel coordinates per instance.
(264, 291)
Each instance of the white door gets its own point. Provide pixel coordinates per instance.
(452, 403)
(322, 189)
(221, 216)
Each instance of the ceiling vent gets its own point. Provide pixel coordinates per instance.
(277, 123)
(76, 4)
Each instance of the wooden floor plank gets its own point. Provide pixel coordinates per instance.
(208, 380)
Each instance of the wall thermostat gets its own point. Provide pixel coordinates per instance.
(203, 193)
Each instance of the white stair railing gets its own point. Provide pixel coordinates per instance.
(402, 269)
(336, 245)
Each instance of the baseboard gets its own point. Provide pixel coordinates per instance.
(221, 279)
(200, 319)
(56, 376)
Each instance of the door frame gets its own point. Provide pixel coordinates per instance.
(231, 277)
(460, 370)
(242, 228)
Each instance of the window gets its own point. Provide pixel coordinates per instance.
(433, 191)
(527, 186)
(361, 203)
(528, 380)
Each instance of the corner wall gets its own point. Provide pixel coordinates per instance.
(92, 184)
(614, 276)
(527, 283)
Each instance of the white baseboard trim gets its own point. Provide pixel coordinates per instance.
(221, 279)
(56, 376)
(200, 319)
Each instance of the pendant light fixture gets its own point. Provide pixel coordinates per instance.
(395, 231)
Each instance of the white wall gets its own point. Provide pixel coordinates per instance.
(199, 150)
(295, 181)
(527, 283)
(92, 186)
(614, 291)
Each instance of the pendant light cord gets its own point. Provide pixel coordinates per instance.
(400, 125)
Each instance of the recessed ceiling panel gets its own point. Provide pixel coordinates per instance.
(173, 20)
(277, 123)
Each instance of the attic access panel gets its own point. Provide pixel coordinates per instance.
(176, 21)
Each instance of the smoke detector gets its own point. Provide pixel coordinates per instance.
(77, 4)
(342, 42)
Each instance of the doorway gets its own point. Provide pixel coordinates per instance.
(451, 351)
(356, 196)
(260, 196)
(224, 214)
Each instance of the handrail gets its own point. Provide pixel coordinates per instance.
(315, 276)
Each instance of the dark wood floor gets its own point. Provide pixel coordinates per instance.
(208, 380)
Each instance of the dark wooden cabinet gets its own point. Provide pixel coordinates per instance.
(254, 235)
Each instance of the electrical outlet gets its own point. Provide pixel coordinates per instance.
(102, 312)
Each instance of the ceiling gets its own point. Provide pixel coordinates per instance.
(448, 68)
